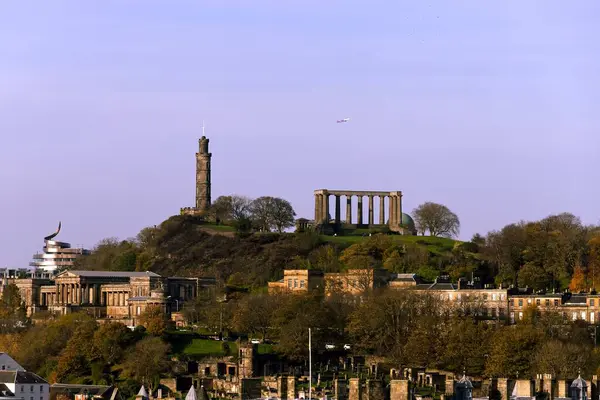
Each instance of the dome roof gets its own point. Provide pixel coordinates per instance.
(579, 383)
(464, 383)
(407, 220)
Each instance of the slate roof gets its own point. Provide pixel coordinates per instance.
(106, 392)
(5, 391)
(114, 274)
(579, 383)
(20, 377)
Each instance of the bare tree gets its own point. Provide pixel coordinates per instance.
(437, 219)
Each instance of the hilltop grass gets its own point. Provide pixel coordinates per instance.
(436, 245)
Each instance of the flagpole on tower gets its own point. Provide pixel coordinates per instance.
(202, 127)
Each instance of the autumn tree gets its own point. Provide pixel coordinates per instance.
(12, 310)
(594, 259)
(75, 360)
(578, 281)
(437, 219)
(154, 320)
(512, 350)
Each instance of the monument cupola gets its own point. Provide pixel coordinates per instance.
(579, 389)
(464, 388)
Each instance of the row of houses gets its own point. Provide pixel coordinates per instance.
(494, 303)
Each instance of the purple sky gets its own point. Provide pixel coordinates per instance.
(488, 107)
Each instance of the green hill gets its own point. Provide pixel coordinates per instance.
(186, 246)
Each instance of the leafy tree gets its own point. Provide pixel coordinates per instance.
(512, 350)
(466, 346)
(293, 318)
(382, 322)
(147, 361)
(110, 341)
(154, 320)
(240, 207)
(563, 359)
(12, 310)
(272, 213)
(254, 314)
(437, 219)
(221, 210)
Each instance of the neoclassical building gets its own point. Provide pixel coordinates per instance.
(107, 294)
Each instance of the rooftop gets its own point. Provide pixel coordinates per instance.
(111, 274)
(20, 377)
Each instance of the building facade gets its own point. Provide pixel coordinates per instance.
(107, 294)
(25, 385)
(506, 304)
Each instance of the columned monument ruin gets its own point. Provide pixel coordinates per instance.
(203, 159)
(395, 220)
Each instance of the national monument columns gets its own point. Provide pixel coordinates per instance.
(394, 213)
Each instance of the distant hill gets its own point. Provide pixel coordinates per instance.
(187, 246)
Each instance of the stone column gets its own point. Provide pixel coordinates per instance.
(399, 207)
(337, 209)
(371, 219)
(326, 208)
(348, 209)
(381, 210)
(317, 208)
(360, 210)
(392, 210)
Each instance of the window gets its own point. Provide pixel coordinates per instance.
(295, 283)
(547, 303)
(42, 389)
(485, 296)
(22, 389)
(537, 302)
(556, 302)
(3, 367)
(494, 296)
(520, 316)
(138, 310)
(301, 283)
(31, 388)
(592, 302)
(501, 311)
(493, 312)
(512, 302)
(592, 317)
(520, 302)
(289, 283)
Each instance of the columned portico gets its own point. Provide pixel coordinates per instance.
(394, 209)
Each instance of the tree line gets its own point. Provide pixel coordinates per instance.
(408, 329)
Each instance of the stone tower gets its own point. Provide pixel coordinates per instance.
(203, 176)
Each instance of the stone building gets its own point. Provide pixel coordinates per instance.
(108, 294)
(203, 182)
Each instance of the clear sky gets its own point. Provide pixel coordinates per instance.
(489, 107)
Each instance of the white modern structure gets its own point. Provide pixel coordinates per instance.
(56, 255)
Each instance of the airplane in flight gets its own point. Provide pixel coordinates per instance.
(339, 121)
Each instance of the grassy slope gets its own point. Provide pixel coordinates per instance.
(435, 245)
